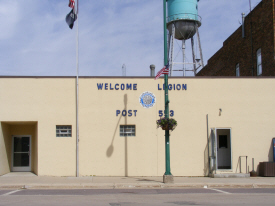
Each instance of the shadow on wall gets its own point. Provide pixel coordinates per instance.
(212, 152)
(206, 170)
(238, 166)
(110, 149)
(7, 149)
(206, 162)
(270, 153)
(270, 157)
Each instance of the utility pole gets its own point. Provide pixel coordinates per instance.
(167, 177)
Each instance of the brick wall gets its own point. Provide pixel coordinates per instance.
(238, 50)
(274, 27)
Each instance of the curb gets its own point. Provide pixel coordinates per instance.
(134, 186)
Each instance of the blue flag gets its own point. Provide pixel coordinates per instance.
(70, 18)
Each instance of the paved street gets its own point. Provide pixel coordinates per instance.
(125, 197)
(132, 191)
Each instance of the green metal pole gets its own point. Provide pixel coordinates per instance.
(166, 101)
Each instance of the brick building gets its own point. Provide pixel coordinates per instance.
(250, 50)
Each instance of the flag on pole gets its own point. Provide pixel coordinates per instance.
(70, 18)
(71, 3)
(164, 70)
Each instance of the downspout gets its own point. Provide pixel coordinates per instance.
(243, 31)
(208, 145)
(251, 39)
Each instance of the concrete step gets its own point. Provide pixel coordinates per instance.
(231, 175)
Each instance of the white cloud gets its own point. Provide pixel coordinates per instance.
(9, 18)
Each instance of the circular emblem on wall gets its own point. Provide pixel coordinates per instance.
(147, 99)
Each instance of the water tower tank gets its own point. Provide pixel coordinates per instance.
(184, 15)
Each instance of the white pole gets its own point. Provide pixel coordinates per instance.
(77, 72)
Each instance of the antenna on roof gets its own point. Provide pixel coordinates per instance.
(123, 70)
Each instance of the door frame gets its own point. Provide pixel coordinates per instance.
(216, 140)
(21, 169)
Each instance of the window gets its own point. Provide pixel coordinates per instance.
(237, 70)
(259, 62)
(127, 130)
(222, 141)
(63, 131)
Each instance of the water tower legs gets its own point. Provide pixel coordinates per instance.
(195, 62)
(199, 41)
(171, 41)
(183, 56)
(194, 58)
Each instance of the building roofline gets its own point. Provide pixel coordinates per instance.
(136, 77)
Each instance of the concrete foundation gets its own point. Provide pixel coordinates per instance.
(168, 179)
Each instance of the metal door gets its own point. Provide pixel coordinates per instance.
(21, 153)
(223, 148)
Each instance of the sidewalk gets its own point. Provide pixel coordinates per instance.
(31, 181)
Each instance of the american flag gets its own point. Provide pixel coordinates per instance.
(164, 70)
(71, 3)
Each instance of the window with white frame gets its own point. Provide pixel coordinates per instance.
(259, 62)
(63, 130)
(127, 130)
(237, 70)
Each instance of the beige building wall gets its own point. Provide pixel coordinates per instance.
(246, 108)
(49, 102)
(4, 150)
(246, 104)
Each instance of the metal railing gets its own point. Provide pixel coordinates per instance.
(240, 163)
(186, 16)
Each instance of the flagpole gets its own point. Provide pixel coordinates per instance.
(77, 93)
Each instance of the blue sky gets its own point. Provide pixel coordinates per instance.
(36, 41)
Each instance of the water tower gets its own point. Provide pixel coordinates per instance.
(183, 22)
